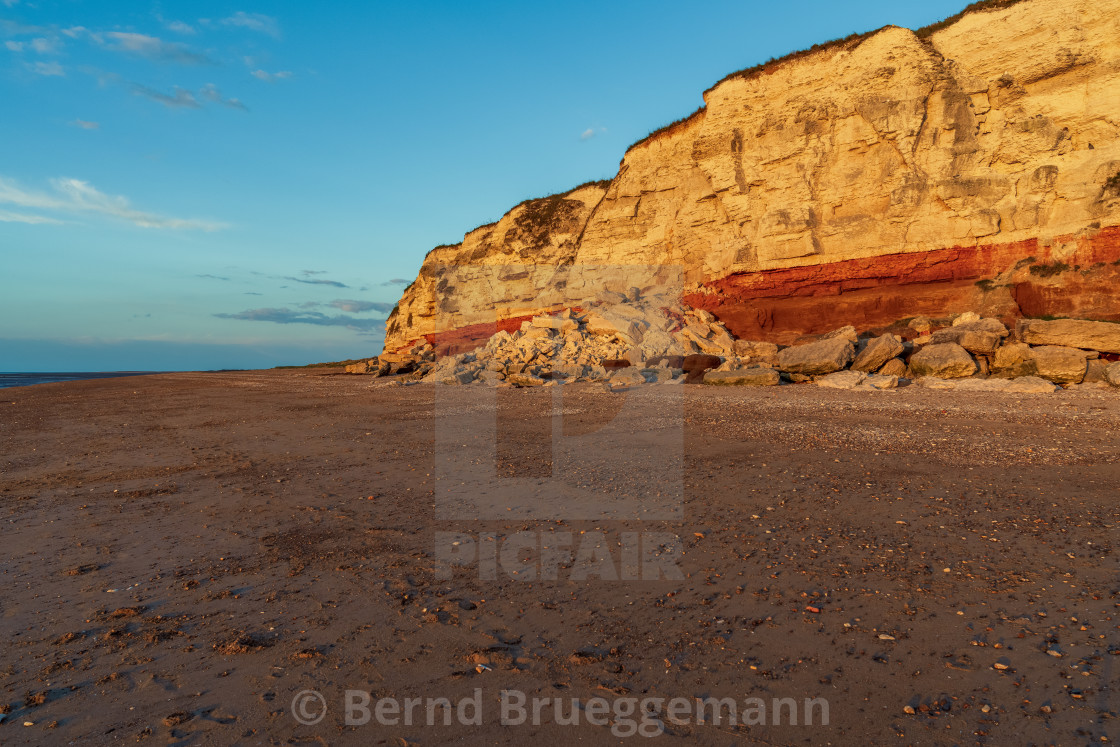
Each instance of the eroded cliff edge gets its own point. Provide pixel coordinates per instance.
(895, 174)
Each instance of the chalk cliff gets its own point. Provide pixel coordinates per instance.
(970, 166)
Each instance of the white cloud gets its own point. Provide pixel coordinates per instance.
(179, 27)
(211, 93)
(151, 47)
(86, 125)
(43, 45)
(47, 68)
(14, 46)
(591, 132)
(254, 22)
(183, 99)
(269, 77)
(74, 196)
(9, 217)
(9, 3)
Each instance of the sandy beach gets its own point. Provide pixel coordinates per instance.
(185, 554)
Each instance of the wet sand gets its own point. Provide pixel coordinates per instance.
(183, 554)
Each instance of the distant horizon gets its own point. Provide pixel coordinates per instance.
(245, 187)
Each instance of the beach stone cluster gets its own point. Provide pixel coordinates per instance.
(653, 340)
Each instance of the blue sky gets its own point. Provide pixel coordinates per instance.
(222, 185)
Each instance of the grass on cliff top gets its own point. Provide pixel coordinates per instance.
(602, 183)
(334, 364)
(850, 41)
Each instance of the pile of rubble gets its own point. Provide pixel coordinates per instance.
(654, 340)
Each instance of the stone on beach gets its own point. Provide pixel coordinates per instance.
(946, 360)
(877, 353)
(757, 376)
(817, 358)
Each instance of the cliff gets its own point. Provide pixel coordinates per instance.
(970, 166)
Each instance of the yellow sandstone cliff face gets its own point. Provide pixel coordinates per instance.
(892, 175)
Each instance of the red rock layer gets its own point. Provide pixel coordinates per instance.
(783, 305)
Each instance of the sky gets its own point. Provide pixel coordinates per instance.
(205, 185)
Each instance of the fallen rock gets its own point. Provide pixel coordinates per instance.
(880, 381)
(670, 361)
(1073, 333)
(757, 376)
(1095, 371)
(524, 379)
(695, 365)
(1061, 365)
(1112, 374)
(966, 318)
(982, 336)
(848, 333)
(1025, 385)
(757, 352)
(629, 376)
(1013, 360)
(817, 358)
(946, 360)
(877, 353)
(894, 367)
(842, 380)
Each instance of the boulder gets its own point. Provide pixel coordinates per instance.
(894, 367)
(966, 318)
(762, 352)
(1112, 374)
(669, 361)
(695, 366)
(614, 364)
(946, 360)
(876, 354)
(848, 333)
(1013, 360)
(879, 381)
(757, 376)
(363, 367)
(981, 337)
(524, 379)
(1095, 371)
(629, 376)
(658, 374)
(920, 324)
(842, 380)
(817, 358)
(1059, 364)
(1072, 333)
(1024, 385)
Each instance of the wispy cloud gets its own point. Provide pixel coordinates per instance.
(74, 196)
(10, 217)
(48, 69)
(397, 281)
(270, 77)
(317, 281)
(45, 45)
(183, 99)
(292, 316)
(254, 22)
(14, 46)
(179, 27)
(208, 276)
(358, 307)
(591, 132)
(86, 125)
(150, 48)
(211, 93)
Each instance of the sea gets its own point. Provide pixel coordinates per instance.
(28, 379)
